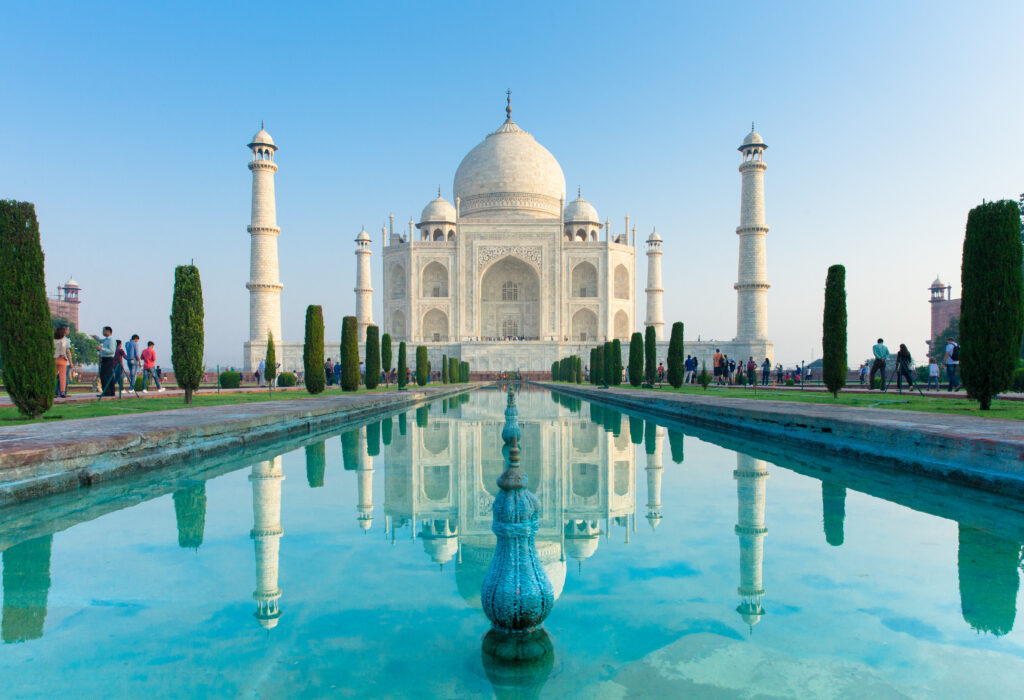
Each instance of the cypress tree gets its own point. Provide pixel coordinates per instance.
(26, 338)
(675, 356)
(597, 366)
(554, 371)
(579, 369)
(617, 361)
(187, 334)
(992, 308)
(403, 367)
(608, 363)
(453, 369)
(385, 356)
(349, 353)
(313, 351)
(372, 357)
(464, 376)
(270, 370)
(421, 365)
(593, 364)
(190, 514)
(316, 464)
(444, 369)
(636, 359)
(650, 355)
(833, 331)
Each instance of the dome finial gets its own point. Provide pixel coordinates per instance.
(579, 192)
(752, 126)
(261, 124)
(508, 104)
(438, 191)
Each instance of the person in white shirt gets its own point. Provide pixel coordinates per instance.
(952, 362)
(933, 373)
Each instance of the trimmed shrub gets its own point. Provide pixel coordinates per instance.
(597, 366)
(313, 350)
(385, 356)
(704, 378)
(187, 334)
(1018, 379)
(228, 380)
(287, 379)
(444, 369)
(270, 370)
(403, 367)
(422, 369)
(26, 337)
(617, 361)
(453, 369)
(833, 331)
(992, 307)
(349, 353)
(650, 355)
(190, 514)
(675, 370)
(878, 383)
(579, 369)
(372, 357)
(636, 360)
(464, 374)
(554, 370)
(608, 363)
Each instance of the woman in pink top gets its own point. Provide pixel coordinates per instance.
(62, 356)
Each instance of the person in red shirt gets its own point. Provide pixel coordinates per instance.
(148, 368)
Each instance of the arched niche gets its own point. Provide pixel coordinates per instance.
(584, 280)
(510, 296)
(397, 281)
(399, 329)
(621, 325)
(435, 325)
(435, 280)
(584, 325)
(621, 282)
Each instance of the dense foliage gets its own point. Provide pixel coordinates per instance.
(636, 359)
(675, 369)
(833, 331)
(992, 307)
(453, 369)
(316, 464)
(270, 370)
(444, 369)
(555, 366)
(650, 355)
(597, 365)
(385, 355)
(190, 514)
(403, 367)
(349, 353)
(26, 337)
(287, 379)
(313, 350)
(228, 380)
(617, 361)
(464, 372)
(578, 373)
(372, 357)
(422, 369)
(187, 332)
(703, 378)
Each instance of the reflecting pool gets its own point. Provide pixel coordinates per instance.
(683, 561)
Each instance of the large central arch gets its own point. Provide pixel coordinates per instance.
(510, 299)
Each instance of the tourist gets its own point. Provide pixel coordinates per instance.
(881, 354)
(149, 368)
(716, 366)
(337, 373)
(766, 371)
(131, 350)
(120, 368)
(778, 374)
(687, 369)
(329, 372)
(62, 356)
(903, 364)
(261, 372)
(107, 348)
(933, 373)
(952, 362)
(863, 373)
(661, 373)
(731, 376)
(362, 373)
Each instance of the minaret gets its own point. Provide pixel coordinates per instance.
(363, 290)
(750, 478)
(364, 476)
(654, 289)
(654, 471)
(752, 287)
(264, 281)
(266, 478)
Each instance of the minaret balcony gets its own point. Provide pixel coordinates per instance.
(264, 230)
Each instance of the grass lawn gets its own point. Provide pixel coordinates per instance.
(113, 407)
(1013, 410)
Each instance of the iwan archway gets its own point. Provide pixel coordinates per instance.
(510, 300)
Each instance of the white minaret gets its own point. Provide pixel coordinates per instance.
(266, 478)
(750, 478)
(363, 290)
(264, 281)
(364, 476)
(654, 471)
(752, 285)
(654, 289)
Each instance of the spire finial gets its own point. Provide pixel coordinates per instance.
(261, 125)
(439, 192)
(752, 126)
(579, 192)
(508, 104)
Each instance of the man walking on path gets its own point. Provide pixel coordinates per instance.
(108, 347)
(952, 360)
(149, 368)
(881, 354)
(132, 352)
(261, 371)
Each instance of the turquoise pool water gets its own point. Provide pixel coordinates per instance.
(684, 562)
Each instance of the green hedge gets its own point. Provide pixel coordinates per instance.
(287, 379)
(228, 380)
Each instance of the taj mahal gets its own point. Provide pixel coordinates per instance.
(509, 275)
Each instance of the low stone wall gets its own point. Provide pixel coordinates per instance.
(42, 459)
(980, 452)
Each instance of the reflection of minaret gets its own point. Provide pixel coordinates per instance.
(364, 476)
(833, 510)
(654, 471)
(750, 478)
(266, 478)
(987, 570)
(26, 587)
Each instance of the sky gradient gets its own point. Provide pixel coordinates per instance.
(126, 126)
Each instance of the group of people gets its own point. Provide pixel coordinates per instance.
(905, 363)
(727, 370)
(117, 362)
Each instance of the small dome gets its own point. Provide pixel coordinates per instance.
(71, 283)
(653, 237)
(938, 283)
(439, 210)
(753, 139)
(581, 211)
(441, 549)
(363, 236)
(262, 138)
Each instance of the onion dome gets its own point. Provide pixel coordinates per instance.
(580, 210)
(363, 237)
(439, 210)
(938, 283)
(753, 139)
(71, 283)
(654, 237)
(262, 138)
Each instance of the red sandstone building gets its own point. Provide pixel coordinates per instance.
(65, 303)
(944, 308)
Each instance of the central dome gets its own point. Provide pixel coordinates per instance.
(510, 172)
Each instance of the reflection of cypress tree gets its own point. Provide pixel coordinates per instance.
(987, 567)
(373, 439)
(190, 512)
(421, 416)
(26, 586)
(612, 421)
(675, 443)
(596, 414)
(350, 449)
(636, 430)
(833, 508)
(316, 464)
(444, 406)
(650, 437)
(385, 432)
(403, 422)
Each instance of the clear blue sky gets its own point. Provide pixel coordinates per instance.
(886, 123)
